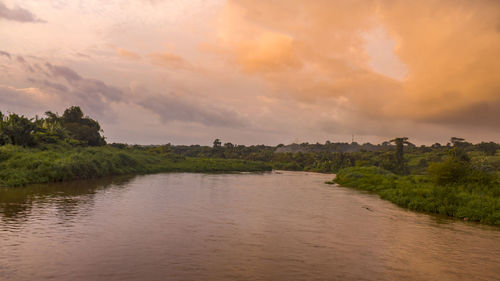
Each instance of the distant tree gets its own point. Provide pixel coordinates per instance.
(217, 143)
(436, 145)
(459, 142)
(455, 140)
(490, 148)
(3, 137)
(399, 155)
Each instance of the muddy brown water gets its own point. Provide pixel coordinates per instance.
(271, 226)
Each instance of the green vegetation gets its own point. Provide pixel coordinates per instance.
(459, 179)
(332, 157)
(20, 166)
(72, 128)
(71, 146)
(456, 187)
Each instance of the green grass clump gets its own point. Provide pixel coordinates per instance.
(21, 166)
(474, 196)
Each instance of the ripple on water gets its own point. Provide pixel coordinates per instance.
(274, 226)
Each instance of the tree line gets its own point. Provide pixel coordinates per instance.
(73, 127)
(398, 155)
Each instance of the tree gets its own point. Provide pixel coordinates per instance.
(83, 130)
(459, 142)
(3, 137)
(455, 140)
(18, 130)
(399, 155)
(217, 143)
(490, 148)
(436, 145)
(73, 114)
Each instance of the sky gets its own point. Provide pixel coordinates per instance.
(258, 72)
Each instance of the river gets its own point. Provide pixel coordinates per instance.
(271, 226)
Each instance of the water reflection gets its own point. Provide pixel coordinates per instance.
(67, 198)
(288, 226)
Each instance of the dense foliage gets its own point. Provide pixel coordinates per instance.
(402, 158)
(20, 166)
(458, 179)
(72, 127)
(455, 188)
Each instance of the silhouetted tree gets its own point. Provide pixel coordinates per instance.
(490, 148)
(399, 155)
(217, 143)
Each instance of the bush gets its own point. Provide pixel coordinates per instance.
(474, 195)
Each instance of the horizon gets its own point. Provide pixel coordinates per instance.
(246, 72)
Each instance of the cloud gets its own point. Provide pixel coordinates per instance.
(127, 54)
(17, 14)
(170, 60)
(3, 53)
(316, 52)
(269, 52)
(68, 87)
(51, 85)
(30, 98)
(288, 68)
(63, 71)
(171, 107)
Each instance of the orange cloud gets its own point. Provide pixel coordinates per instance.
(451, 51)
(170, 60)
(269, 52)
(127, 54)
(315, 51)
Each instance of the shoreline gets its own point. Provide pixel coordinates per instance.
(467, 202)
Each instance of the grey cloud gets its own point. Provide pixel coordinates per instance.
(78, 85)
(25, 64)
(482, 114)
(17, 14)
(98, 87)
(8, 95)
(11, 98)
(3, 53)
(63, 71)
(52, 85)
(175, 108)
(56, 86)
(95, 97)
(95, 93)
(92, 94)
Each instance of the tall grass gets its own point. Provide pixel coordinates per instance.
(20, 166)
(474, 200)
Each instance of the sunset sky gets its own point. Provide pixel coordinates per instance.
(251, 72)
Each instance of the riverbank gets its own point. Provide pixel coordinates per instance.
(474, 201)
(20, 166)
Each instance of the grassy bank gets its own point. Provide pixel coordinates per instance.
(474, 198)
(20, 166)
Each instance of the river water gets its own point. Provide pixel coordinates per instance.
(271, 226)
